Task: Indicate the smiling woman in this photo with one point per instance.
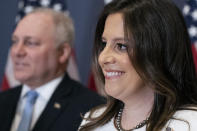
(121, 79)
(142, 54)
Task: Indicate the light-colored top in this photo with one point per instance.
(45, 92)
(187, 122)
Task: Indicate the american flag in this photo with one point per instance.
(190, 14)
(25, 7)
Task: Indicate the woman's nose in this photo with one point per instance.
(107, 56)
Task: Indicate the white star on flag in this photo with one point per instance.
(57, 7)
(45, 3)
(186, 10)
(194, 15)
(28, 9)
(192, 31)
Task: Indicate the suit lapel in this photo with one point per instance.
(10, 107)
(58, 102)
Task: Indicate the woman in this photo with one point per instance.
(142, 55)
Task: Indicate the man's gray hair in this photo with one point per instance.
(63, 25)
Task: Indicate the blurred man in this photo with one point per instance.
(47, 100)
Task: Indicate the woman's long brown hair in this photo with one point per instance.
(161, 55)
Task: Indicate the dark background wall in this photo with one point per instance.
(84, 14)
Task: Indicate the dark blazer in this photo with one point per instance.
(72, 97)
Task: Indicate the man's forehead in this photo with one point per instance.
(37, 23)
(37, 17)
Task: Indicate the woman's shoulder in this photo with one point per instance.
(94, 113)
(184, 120)
(189, 114)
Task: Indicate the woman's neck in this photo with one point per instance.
(137, 108)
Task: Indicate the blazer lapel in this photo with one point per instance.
(56, 105)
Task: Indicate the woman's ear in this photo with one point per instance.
(65, 51)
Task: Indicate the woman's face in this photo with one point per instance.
(121, 79)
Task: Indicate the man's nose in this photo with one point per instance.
(18, 49)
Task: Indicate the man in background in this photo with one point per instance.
(47, 100)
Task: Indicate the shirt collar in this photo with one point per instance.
(45, 91)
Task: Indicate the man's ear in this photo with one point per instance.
(65, 51)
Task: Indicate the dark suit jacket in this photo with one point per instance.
(72, 97)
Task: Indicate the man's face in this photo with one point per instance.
(34, 54)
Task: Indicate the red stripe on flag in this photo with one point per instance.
(5, 84)
(194, 51)
(91, 82)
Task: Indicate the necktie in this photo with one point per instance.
(27, 112)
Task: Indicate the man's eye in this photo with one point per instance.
(121, 46)
(14, 41)
(29, 43)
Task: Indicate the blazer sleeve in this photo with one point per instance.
(95, 114)
(185, 120)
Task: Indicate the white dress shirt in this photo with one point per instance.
(44, 94)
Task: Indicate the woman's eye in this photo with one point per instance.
(121, 47)
(103, 43)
